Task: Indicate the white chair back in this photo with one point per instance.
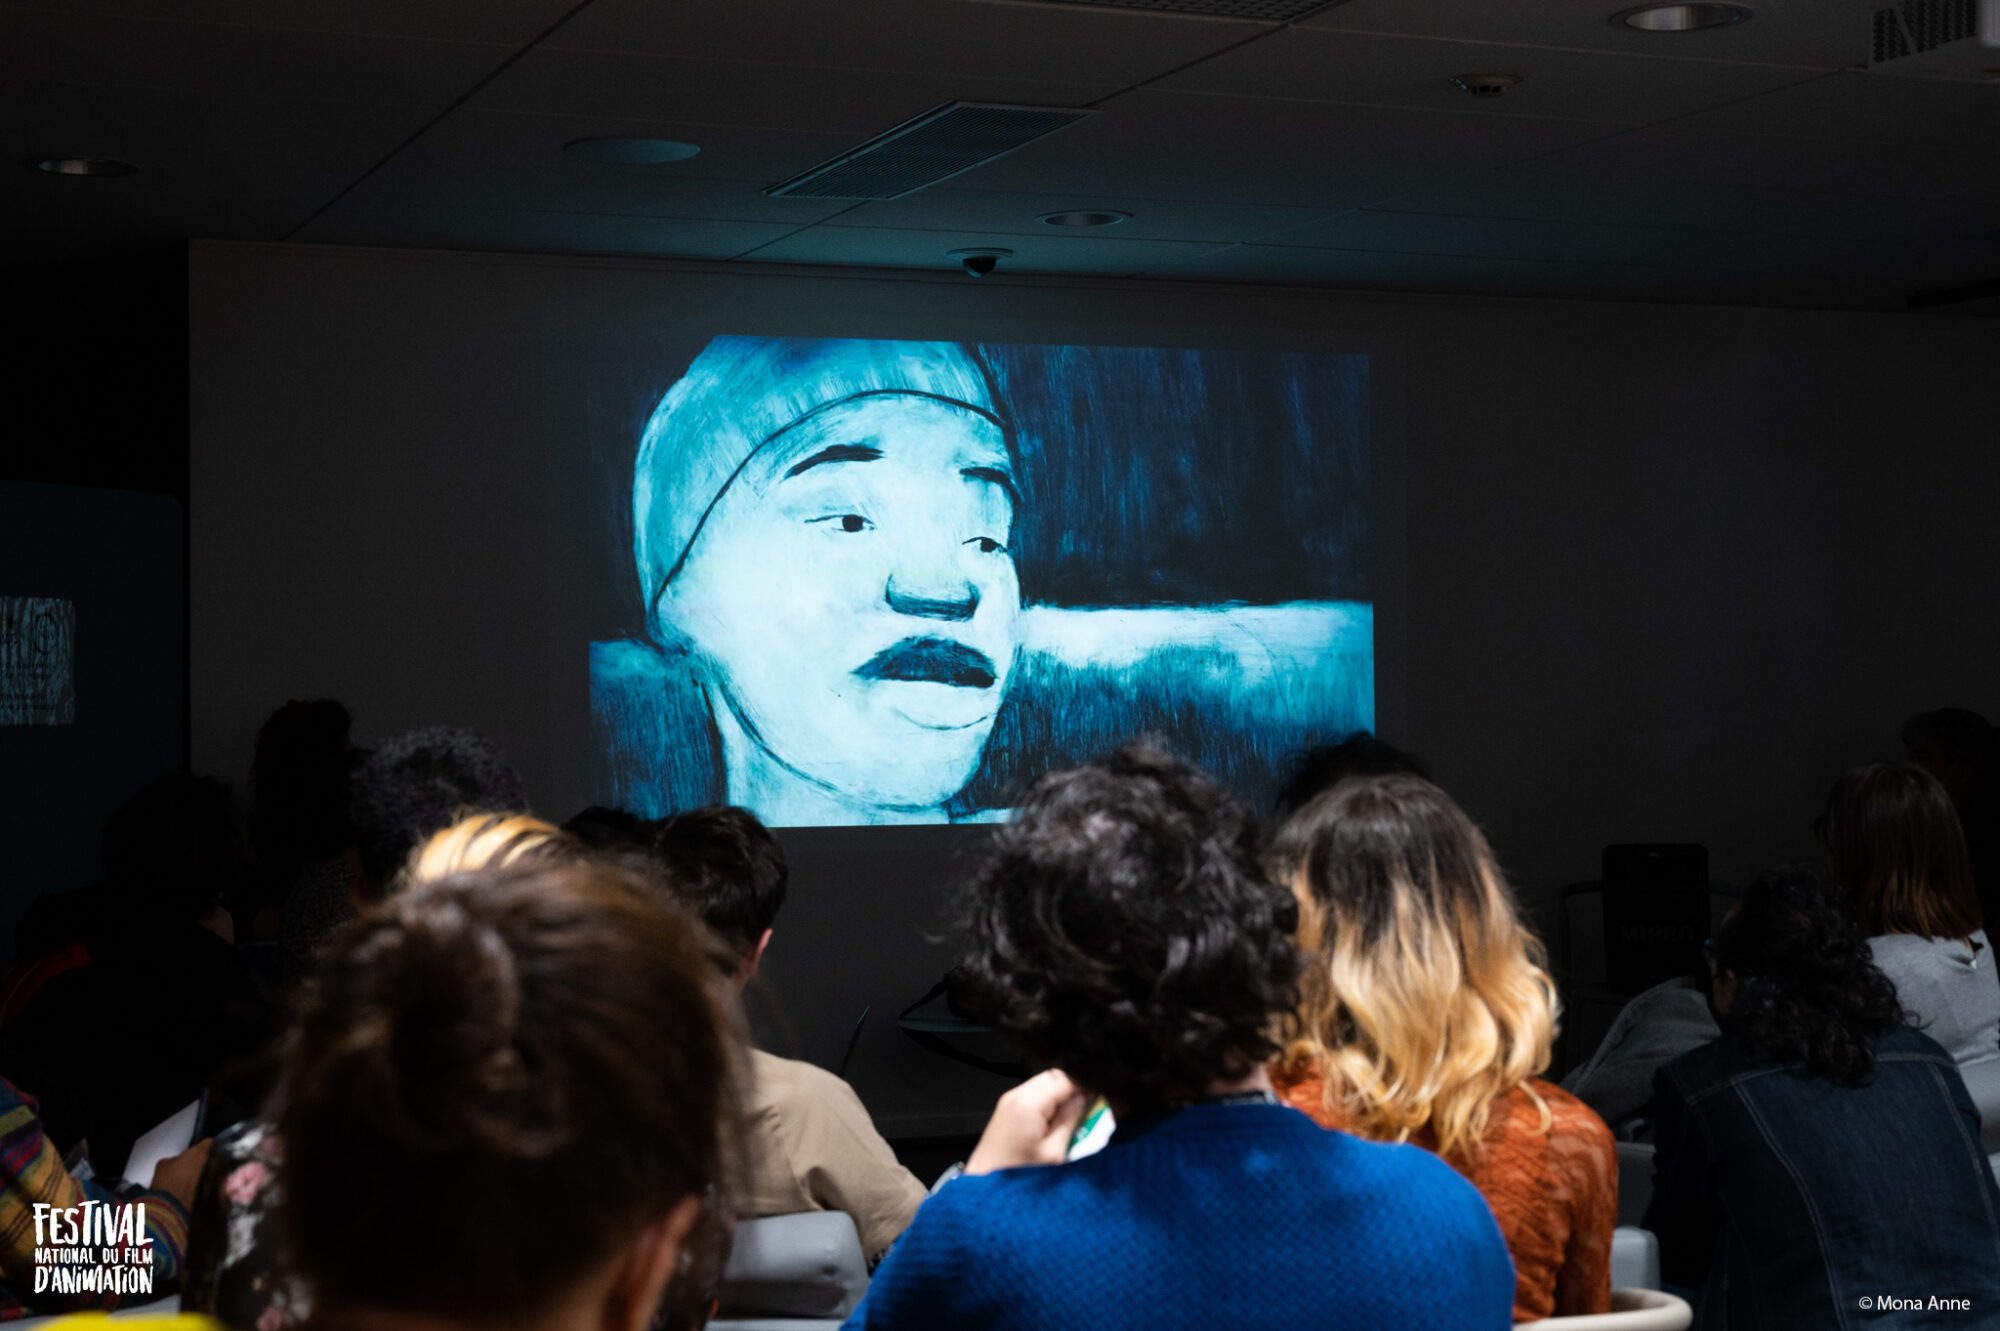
(1631, 1310)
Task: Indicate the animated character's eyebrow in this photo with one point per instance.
(837, 453)
(997, 477)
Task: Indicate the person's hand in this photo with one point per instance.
(179, 1175)
(1031, 1125)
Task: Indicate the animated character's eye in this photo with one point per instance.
(849, 522)
(986, 545)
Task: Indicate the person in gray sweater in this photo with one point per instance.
(1900, 861)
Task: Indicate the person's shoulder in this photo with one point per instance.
(1568, 1116)
(794, 1079)
(1908, 1044)
(1698, 1069)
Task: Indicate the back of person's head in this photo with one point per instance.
(1121, 927)
(603, 828)
(420, 782)
(1899, 853)
(1425, 998)
(1321, 768)
(173, 849)
(490, 841)
(1807, 987)
(298, 784)
(1954, 744)
(726, 867)
(498, 1082)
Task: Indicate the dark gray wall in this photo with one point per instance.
(118, 557)
(1664, 570)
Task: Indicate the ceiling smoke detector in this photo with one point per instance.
(1681, 18)
(1486, 85)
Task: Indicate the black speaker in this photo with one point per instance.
(1655, 913)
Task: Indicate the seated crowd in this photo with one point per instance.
(476, 1069)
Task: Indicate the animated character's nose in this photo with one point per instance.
(934, 602)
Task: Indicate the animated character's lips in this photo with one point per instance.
(932, 660)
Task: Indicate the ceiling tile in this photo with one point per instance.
(947, 209)
(1063, 44)
(86, 58)
(861, 103)
(511, 21)
(1359, 67)
(1420, 233)
(1681, 154)
(1171, 145)
(1521, 277)
(1873, 109)
(888, 248)
(561, 233)
(1822, 34)
(210, 165)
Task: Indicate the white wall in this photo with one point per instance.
(1666, 569)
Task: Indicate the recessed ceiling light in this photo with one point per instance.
(1681, 18)
(628, 152)
(1086, 217)
(81, 166)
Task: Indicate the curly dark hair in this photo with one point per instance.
(418, 783)
(1808, 990)
(1121, 927)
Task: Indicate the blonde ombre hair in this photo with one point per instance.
(488, 841)
(1424, 998)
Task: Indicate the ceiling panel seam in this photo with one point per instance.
(439, 118)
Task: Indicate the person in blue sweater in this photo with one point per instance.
(1122, 930)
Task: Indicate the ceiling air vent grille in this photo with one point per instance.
(936, 145)
(1259, 11)
(1916, 26)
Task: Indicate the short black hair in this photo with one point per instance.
(173, 849)
(1121, 928)
(725, 866)
(1321, 768)
(1807, 987)
(417, 784)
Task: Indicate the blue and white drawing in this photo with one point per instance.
(891, 582)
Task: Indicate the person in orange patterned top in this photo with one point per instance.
(1427, 1015)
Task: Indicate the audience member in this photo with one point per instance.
(1962, 750)
(1821, 1150)
(809, 1143)
(508, 1093)
(299, 830)
(1428, 1016)
(1899, 860)
(150, 944)
(233, 1270)
(1320, 769)
(1122, 929)
(32, 1173)
(1656, 1027)
(412, 786)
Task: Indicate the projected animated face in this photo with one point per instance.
(852, 606)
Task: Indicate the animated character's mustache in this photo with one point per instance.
(934, 660)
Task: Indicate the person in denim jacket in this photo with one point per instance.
(1819, 1165)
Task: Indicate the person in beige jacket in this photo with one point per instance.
(810, 1144)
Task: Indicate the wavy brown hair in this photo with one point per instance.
(1425, 998)
(497, 1079)
(1899, 853)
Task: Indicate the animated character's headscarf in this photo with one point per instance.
(743, 392)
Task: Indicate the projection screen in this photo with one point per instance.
(877, 581)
